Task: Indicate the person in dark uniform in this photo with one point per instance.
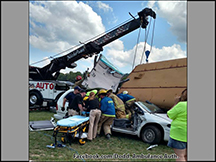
(77, 106)
(70, 96)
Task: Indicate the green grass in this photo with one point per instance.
(119, 144)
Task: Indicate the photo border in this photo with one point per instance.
(14, 80)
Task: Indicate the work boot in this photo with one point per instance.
(108, 136)
(98, 135)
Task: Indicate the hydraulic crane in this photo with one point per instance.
(52, 70)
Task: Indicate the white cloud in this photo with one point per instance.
(122, 59)
(175, 14)
(61, 25)
(104, 7)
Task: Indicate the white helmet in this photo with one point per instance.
(125, 92)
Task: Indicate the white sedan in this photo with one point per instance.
(149, 122)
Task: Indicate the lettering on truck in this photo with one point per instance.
(45, 85)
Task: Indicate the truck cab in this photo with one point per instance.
(46, 93)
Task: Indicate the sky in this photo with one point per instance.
(56, 27)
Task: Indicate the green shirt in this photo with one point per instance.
(178, 114)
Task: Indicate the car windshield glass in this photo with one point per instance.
(150, 107)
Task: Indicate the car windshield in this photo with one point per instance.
(150, 107)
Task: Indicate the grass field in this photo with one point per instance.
(120, 147)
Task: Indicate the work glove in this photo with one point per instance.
(83, 112)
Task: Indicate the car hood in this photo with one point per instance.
(163, 116)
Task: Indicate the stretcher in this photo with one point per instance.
(71, 128)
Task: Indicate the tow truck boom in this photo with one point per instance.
(89, 49)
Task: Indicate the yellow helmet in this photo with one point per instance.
(85, 98)
(102, 91)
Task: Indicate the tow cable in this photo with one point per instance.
(144, 49)
(146, 37)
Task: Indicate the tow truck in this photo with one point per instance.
(42, 79)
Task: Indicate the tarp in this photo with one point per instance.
(103, 75)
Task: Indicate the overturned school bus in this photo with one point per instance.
(158, 82)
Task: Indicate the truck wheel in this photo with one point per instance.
(151, 134)
(34, 98)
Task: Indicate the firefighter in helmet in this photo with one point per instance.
(78, 81)
(128, 101)
(119, 105)
(108, 113)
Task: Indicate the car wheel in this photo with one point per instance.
(34, 98)
(151, 134)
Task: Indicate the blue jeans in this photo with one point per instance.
(176, 144)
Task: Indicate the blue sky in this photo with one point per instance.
(58, 26)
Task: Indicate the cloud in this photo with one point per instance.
(122, 59)
(104, 7)
(175, 14)
(57, 26)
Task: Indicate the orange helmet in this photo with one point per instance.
(78, 78)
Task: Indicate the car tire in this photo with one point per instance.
(35, 98)
(151, 134)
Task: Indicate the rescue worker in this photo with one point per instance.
(119, 105)
(78, 81)
(128, 101)
(77, 106)
(70, 96)
(92, 106)
(86, 98)
(108, 113)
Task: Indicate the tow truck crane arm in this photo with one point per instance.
(89, 49)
